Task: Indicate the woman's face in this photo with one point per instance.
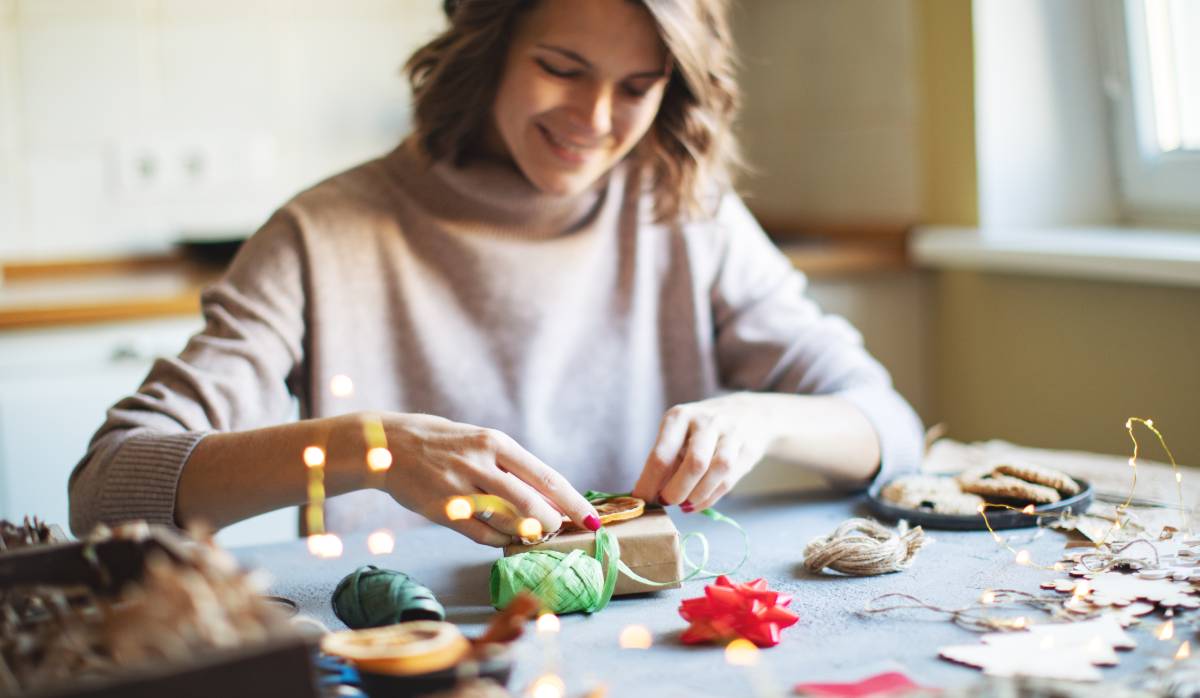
(582, 84)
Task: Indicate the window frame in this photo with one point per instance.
(1156, 187)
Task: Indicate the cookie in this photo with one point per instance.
(998, 485)
(930, 493)
(1041, 476)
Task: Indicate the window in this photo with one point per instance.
(1154, 80)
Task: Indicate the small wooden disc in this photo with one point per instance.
(405, 649)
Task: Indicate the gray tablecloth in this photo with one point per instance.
(832, 642)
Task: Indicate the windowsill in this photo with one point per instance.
(1103, 253)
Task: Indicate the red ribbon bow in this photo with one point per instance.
(728, 610)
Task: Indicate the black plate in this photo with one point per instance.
(998, 518)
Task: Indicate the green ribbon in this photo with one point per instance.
(569, 582)
(370, 597)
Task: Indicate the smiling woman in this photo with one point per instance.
(551, 286)
(581, 84)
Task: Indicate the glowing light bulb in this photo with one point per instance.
(341, 386)
(379, 459)
(1028, 509)
(987, 597)
(1184, 651)
(530, 529)
(459, 508)
(636, 637)
(1023, 557)
(548, 623)
(1128, 423)
(548, 686)
(981, 508)
(314, 456)
(1166, 631)
(1178, 477)
(1149, 422)
(1020, 622)
(325, 545)
(741, 652)
(1133, 462)
(381, 542)
(1082, 589)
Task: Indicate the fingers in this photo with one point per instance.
(531, 480)
(698, 455)
(660, 464)
(480, 532)
(721, 490)
(720, 473)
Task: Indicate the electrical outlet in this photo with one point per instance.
(141, 169)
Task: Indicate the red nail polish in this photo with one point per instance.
(662, 502)
(686, 503)
(592, 522)
(687, 508)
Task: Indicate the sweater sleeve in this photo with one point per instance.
(233, 375)
(770, 336)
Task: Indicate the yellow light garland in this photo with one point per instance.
(1022, 557)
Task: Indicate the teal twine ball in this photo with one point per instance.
(370, 597)
(564, 582)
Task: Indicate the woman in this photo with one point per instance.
(548, 287)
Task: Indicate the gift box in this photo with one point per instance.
(649, 546)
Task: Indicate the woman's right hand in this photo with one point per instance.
(435, 459)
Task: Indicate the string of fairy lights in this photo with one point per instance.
(379, 459)
(995, 598)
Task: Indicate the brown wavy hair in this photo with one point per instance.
(690, 151)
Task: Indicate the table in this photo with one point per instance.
(830, 643)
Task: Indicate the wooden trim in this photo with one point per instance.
(181, 304)
(841, 259)
(784, 230)
(39, 270)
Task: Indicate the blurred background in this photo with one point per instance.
(1003, 195)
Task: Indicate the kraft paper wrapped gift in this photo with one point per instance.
(649, 546)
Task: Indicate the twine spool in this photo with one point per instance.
(564, 582)
(863, 548)
(370, 597)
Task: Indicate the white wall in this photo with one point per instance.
(267, 97)
(1042, 128)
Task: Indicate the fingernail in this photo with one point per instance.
(662, 502)
(592, 522)
(686, 503)
(687, 508)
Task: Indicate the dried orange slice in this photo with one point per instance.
(611, 510)
(405, 649)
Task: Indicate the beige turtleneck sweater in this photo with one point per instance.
(570, 323)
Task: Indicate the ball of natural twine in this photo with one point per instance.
(863, 548)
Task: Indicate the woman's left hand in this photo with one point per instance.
(703, 449)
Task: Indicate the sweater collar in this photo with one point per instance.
(493, 197)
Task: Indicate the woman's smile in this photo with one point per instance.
(568, 151)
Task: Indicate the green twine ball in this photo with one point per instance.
(370, 597)
(564, 582)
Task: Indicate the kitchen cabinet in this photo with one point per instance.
(55, 385)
